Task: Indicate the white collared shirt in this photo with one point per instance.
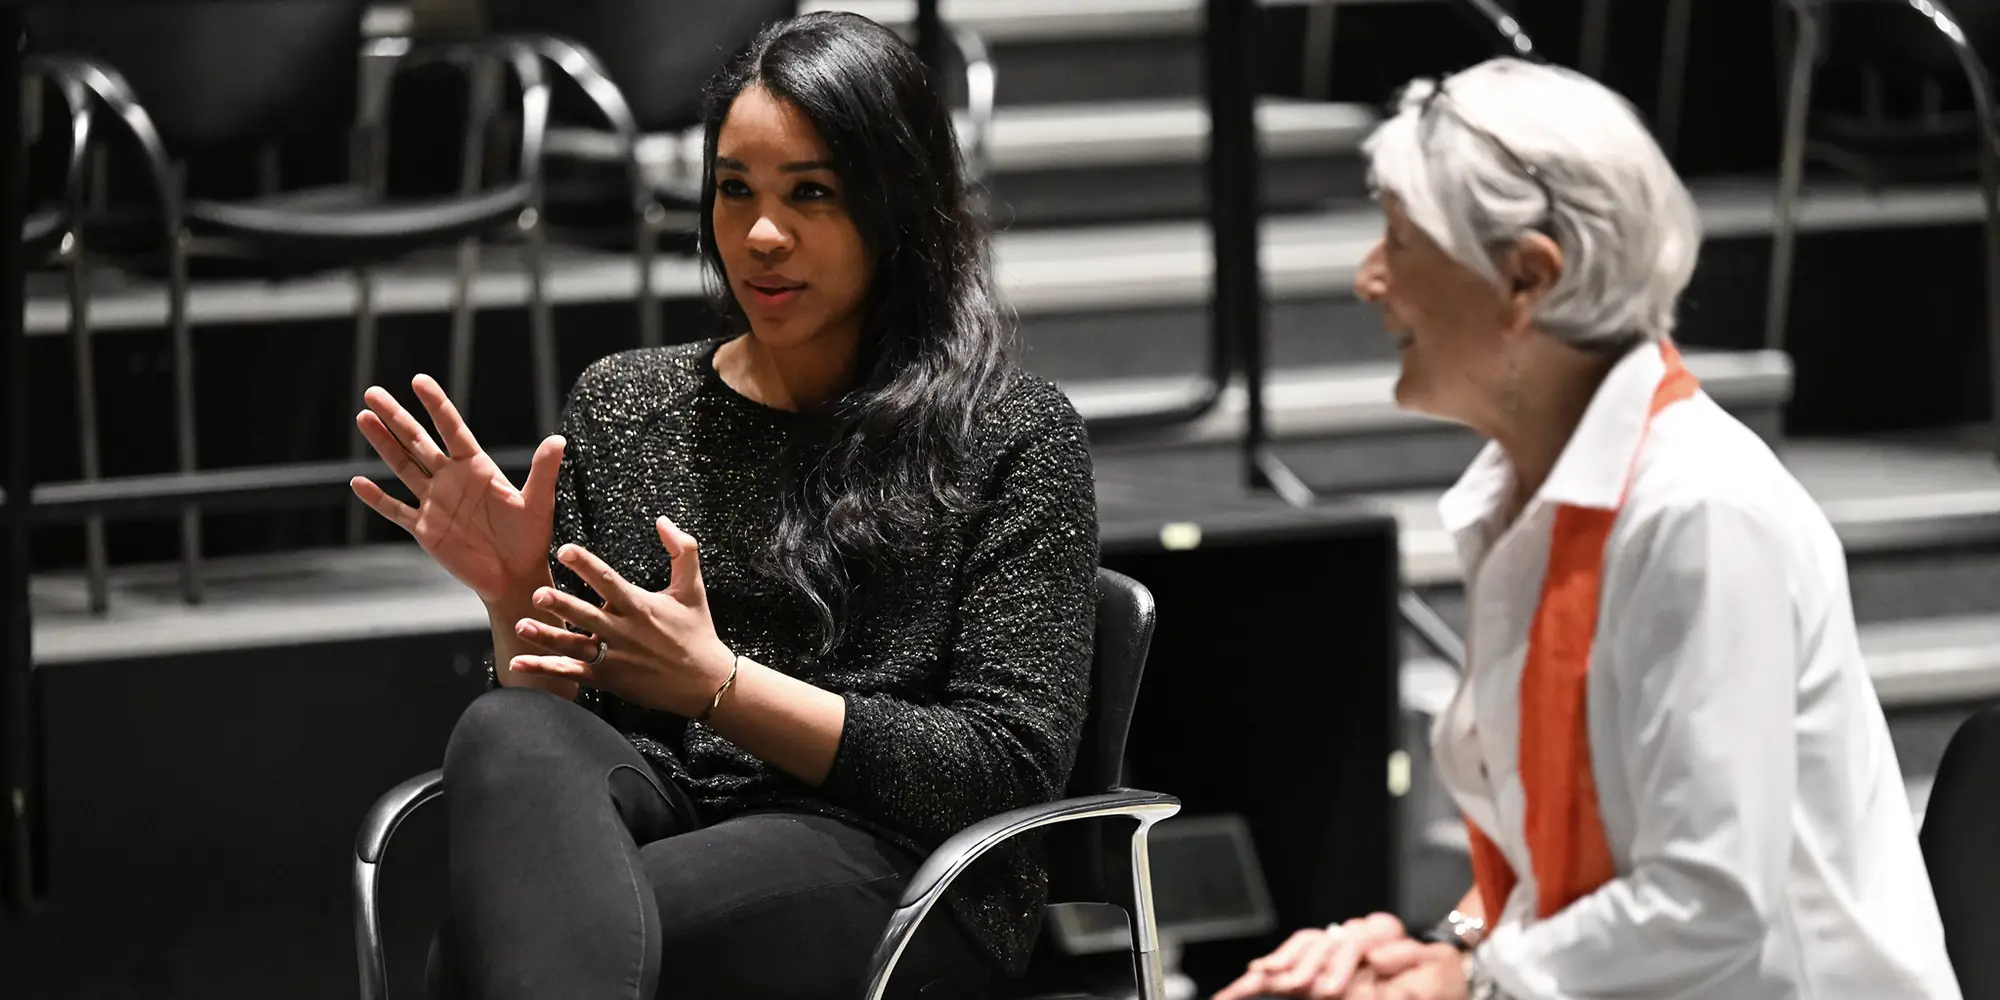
(1756, 815)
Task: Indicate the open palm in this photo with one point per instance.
(469, 517)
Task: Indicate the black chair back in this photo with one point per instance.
(660, 53)
(220, 73)
(1077, 853)
(1961, 840)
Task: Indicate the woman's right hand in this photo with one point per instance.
(468, 517)
(1316, 964)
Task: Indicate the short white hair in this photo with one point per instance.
(1464, 162)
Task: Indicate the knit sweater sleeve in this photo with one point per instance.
(1003, 730)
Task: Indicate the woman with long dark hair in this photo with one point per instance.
(710, 767)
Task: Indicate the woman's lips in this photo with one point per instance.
(773, 294)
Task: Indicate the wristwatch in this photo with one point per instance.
(1459, 929)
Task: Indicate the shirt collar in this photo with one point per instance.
(1594, 465)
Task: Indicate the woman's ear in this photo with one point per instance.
(1530, 272)
(1534, 267)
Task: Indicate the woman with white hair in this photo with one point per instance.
(1676, 775)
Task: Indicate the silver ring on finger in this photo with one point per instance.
(602, 649)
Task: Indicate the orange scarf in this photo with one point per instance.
(1565, 832)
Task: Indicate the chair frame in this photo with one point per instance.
(91, 81)
(80, 119)
(932, 879)
(1809, 16)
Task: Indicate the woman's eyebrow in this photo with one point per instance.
(801, 167)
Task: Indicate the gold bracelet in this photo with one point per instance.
(735, 660)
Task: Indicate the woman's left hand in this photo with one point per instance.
(660, 650)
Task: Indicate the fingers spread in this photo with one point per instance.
(593, 571)
(413, 474)
(574, 609)
(685, 554)
(539, 492)
(404, 427)
(398, 513)
(551, 666)
(451, 427)
(557, 641)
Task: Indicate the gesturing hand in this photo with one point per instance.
(656, 650)
(468, 516)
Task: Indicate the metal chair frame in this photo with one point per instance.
(80, 120)
(929, 885)
(1809, 16)
(102, 86)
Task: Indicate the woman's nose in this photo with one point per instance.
(1371, 280)
(767, 236)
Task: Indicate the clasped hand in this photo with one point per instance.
(1368, 958)
(660, 650)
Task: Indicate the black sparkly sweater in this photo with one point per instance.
(965, 687)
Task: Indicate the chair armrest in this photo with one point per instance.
(958, 853)
(79, 76)
(76, 102)
(377, 827)
(391, 810)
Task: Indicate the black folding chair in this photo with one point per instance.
(208, 76)
(1089, 863)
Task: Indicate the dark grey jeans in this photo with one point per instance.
(576, 873)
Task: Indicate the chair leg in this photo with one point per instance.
(96, 562)
(1673, 73)
(1596, 24)
(541, 325)
(645, 249)
(459, 376)
(485, 97)
(1784, 229)
(364, 374)
(1149, 966)
(184, 412)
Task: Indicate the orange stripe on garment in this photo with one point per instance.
(1565, 831)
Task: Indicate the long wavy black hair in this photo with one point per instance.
(881, 469)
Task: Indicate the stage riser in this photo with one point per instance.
(201, 814)
(1146, 192)
(1901, 585)
(1425, 456)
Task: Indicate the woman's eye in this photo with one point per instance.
(809, 191)
(732, 188)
